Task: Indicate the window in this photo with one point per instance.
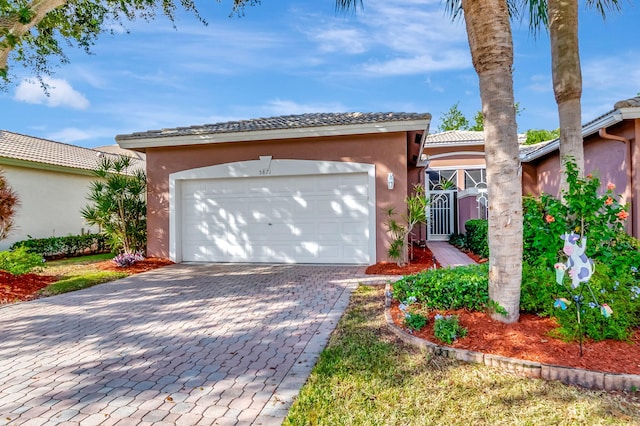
(475, 178)
(443, 180)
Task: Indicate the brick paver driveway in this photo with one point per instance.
(186, 345)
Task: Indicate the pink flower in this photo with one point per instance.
(611, 186)
(560, 266)
(622, 215)
(609, 201)
(548, 218)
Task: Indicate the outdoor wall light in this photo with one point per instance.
(390, 181)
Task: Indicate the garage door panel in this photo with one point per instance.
(309, 219)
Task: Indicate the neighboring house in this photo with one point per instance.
(611, 152)
(311, 188)
(52, 182)
(456, 168)
(457, 180)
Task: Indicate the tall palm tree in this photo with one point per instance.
(491, 45)
(561, 18)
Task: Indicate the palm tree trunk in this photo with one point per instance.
(567, 79)
(491, 45)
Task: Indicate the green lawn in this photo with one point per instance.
(366, 376)
(77, 273)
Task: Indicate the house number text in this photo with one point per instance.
(263, 172)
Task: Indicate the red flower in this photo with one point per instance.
(548, 218)
(609, 201)
(611, 186)
(622, 215)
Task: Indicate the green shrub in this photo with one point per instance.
(447, 328)
(69, 246)
(539, 290)
(621, 294)
(20, 261)
(448, 288)
(477, 240)
(458, 240)
(415, 320)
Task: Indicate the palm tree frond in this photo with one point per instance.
(349, 5)
(603, 6)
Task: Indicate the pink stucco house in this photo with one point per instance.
(611, 152)
(309, 188)
(315, 188)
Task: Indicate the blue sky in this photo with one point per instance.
(293, 57)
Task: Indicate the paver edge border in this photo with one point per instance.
(591, 379)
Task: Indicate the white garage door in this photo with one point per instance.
(283, 219)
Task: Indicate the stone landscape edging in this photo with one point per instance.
(591, 379)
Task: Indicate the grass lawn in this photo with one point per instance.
(366, 376)
(77, 273)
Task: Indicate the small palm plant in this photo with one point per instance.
(118, 204)
(401, 229)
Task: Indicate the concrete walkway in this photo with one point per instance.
(182, 345)
(449, 255)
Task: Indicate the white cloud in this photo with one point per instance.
(451, 60)
(285, 107)
(72, 134)
(58, 93)
(620, 73)
(402, 37)
(347, 40)
(540, 83)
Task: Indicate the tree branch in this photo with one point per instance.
(13, 26)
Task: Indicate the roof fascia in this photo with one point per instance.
(43, 166)
(588, 129)
(263, 135)
(454, 144)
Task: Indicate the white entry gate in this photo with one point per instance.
(441, 212)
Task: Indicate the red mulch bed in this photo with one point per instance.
(148, 264)
(17, 288)
(528, 339)
(420, 260)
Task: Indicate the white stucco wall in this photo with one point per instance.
(50, 203)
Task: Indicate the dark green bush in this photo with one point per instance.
(477, 241)
(449, 288)
(458, 240)
(69, 246)
(539, 290)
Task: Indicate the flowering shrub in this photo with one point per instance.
(127, 259)
(584, 212)
(447, 328)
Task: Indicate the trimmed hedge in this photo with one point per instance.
(69, 246)
(477, 242)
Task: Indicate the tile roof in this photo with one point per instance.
(453, 137)
(28, 148)
(280, 123)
